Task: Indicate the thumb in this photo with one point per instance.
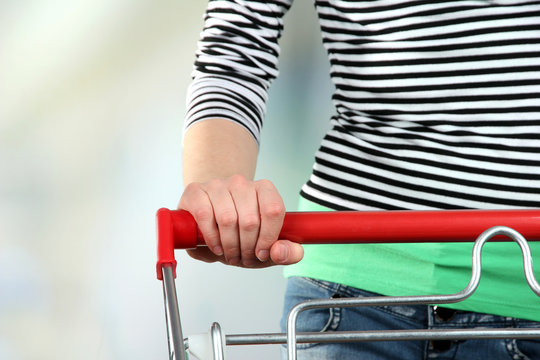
(285, 252)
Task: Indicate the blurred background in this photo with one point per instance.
(91, 109)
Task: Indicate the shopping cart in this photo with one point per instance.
(176, 229)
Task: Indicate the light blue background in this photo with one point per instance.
(91, 108)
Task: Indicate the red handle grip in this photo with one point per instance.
(177, 228)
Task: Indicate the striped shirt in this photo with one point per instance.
(437, 103)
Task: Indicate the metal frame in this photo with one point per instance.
(178, 347)
(426, 300)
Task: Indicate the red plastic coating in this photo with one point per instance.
(177, 228)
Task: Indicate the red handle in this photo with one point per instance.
(177, 228)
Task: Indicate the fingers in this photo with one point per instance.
(245, 198)
(240, 220)
(204, 254)
(272, 212)
(285, 252)
(197, 202)
(226, 218)
(213, 209)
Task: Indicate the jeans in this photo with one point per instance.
(399, 317)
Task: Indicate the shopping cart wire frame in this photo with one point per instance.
(176, 229)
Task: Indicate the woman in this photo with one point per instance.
(436, 107)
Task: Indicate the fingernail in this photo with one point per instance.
(234, 261)
(283, 253)
(218, 250)
(249, 262)
(263, 255)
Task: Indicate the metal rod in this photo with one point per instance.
(217, 342)
(419, 300)
(177, 350)
(387, 335)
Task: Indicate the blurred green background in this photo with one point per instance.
(91, 109)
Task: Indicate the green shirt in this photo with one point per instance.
(426, 269)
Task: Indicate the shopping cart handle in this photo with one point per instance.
(176, 229)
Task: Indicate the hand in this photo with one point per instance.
(240, 221)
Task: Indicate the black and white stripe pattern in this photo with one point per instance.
(236, 61)
(437, 103)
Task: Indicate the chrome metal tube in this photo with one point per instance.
(177, 349)
(217, 342)
(387, 335)
(419, 300)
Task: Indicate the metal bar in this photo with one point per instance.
(419, 300)
(217, 342)
(387, 335)
(177, 350)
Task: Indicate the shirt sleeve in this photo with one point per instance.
(236, 61)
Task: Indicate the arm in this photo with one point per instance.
(240, 218)
(218, 148)
(235, 63)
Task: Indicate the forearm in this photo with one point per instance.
(218, 148)
(239, 218)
